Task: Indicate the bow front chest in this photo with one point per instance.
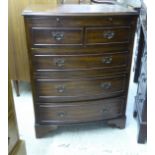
(80, 60)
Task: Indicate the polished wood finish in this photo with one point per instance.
(61, 113)
(78, 10)
(101, 35)
(80, 59)
(55, 36)
(118, 122)
(42, 130)
(81, 89)
(76, 21)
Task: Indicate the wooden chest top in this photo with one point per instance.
(78, 10)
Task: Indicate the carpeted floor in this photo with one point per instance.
(88, 139)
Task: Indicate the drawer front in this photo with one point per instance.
(75, 50)
(94, 73)
(101, 35)
(81, 111)
(45, 36)
(12, 133)
(80, 62)
(71, 90)
(79, 21)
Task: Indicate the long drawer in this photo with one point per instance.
(79, 89)
(81, 111)
(87, 49)
(80, 61)
(79, 21)
(89, 73)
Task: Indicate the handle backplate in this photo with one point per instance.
(109, 34)
(60, 88)
(61, 114)
(107, 60)
(106, 85)
(58, 36)
(60, 62)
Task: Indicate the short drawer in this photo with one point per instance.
(12, 133)
(80, 61)
(57, 21)
(81, 111)
(46, 36)
(79, 89)
(100, 35)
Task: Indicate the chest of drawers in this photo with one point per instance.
(80, 59)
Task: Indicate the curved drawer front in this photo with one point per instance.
(101, 35)
(93, 73)
(71, 90)
(80, 62)
(75, 50)
(81, 111)
(45, 36)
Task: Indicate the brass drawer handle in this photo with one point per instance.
(109, 34)
(60, 62)
(60, 89)
(58, 36)
(61, 114)
(106, 85)
(107, 60)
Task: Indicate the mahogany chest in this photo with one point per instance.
(80, 60)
